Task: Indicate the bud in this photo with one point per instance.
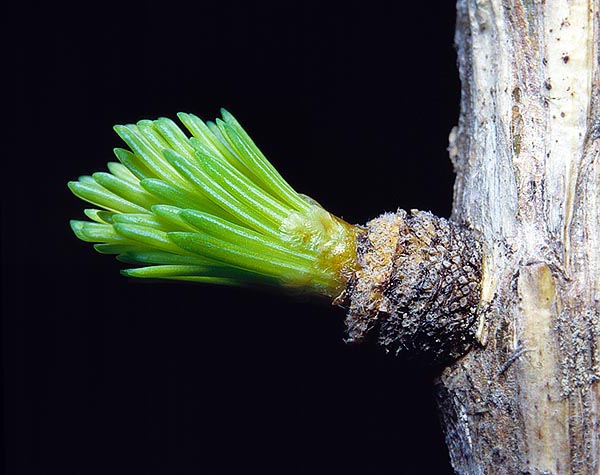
(417, 287)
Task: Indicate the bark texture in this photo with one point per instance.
(526, 153)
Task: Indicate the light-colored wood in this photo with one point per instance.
(527, 157)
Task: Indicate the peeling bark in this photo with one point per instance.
(526, 152)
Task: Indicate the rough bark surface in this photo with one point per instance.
(526, 153)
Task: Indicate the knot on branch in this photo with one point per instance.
(418, 286)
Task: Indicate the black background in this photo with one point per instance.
(353, 103)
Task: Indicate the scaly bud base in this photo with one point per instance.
(417, 286)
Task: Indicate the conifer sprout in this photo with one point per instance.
(208, 207)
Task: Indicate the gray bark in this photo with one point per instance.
(526, 153)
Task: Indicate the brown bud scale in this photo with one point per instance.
(417, 287)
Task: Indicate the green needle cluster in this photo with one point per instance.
(210, 208)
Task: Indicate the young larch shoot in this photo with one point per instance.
(209, 207)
